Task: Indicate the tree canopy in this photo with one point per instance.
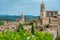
(21, 35)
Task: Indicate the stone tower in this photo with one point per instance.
(22, 17)
(42, 11)
(45, 20)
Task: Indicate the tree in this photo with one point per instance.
(21, 35)
(43, 36)
(20, 27)
(58, 38)
(1, 23)
(47, 26)
(32, 29)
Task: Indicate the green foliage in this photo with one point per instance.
(47, 26)
(21, 35)
(58, 37)
(43, 36)
(20, 27)
(41, 29)
(32, 29)
(1, 23)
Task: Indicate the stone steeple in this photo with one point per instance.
(22, 16)
(42, 11)
(45, 20)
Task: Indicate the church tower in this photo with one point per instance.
(21, 20)
(22, 16)
(42, 11)
(45, 20)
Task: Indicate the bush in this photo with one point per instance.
(1, 23)
(20, 27)
(21, 35)
(43, 36)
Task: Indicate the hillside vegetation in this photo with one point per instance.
(21, 35)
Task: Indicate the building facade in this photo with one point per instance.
(50, 17)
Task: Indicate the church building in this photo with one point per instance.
(50, 17)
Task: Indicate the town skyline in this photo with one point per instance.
(37, 20)
(31, 7)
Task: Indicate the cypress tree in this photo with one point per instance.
(32, 29)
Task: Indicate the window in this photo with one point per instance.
(51, 14)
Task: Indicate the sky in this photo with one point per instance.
(29, 7)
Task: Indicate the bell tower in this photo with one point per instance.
(22, 16)
(45, 20)
(42, 11)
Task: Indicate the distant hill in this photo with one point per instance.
(13, 18)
